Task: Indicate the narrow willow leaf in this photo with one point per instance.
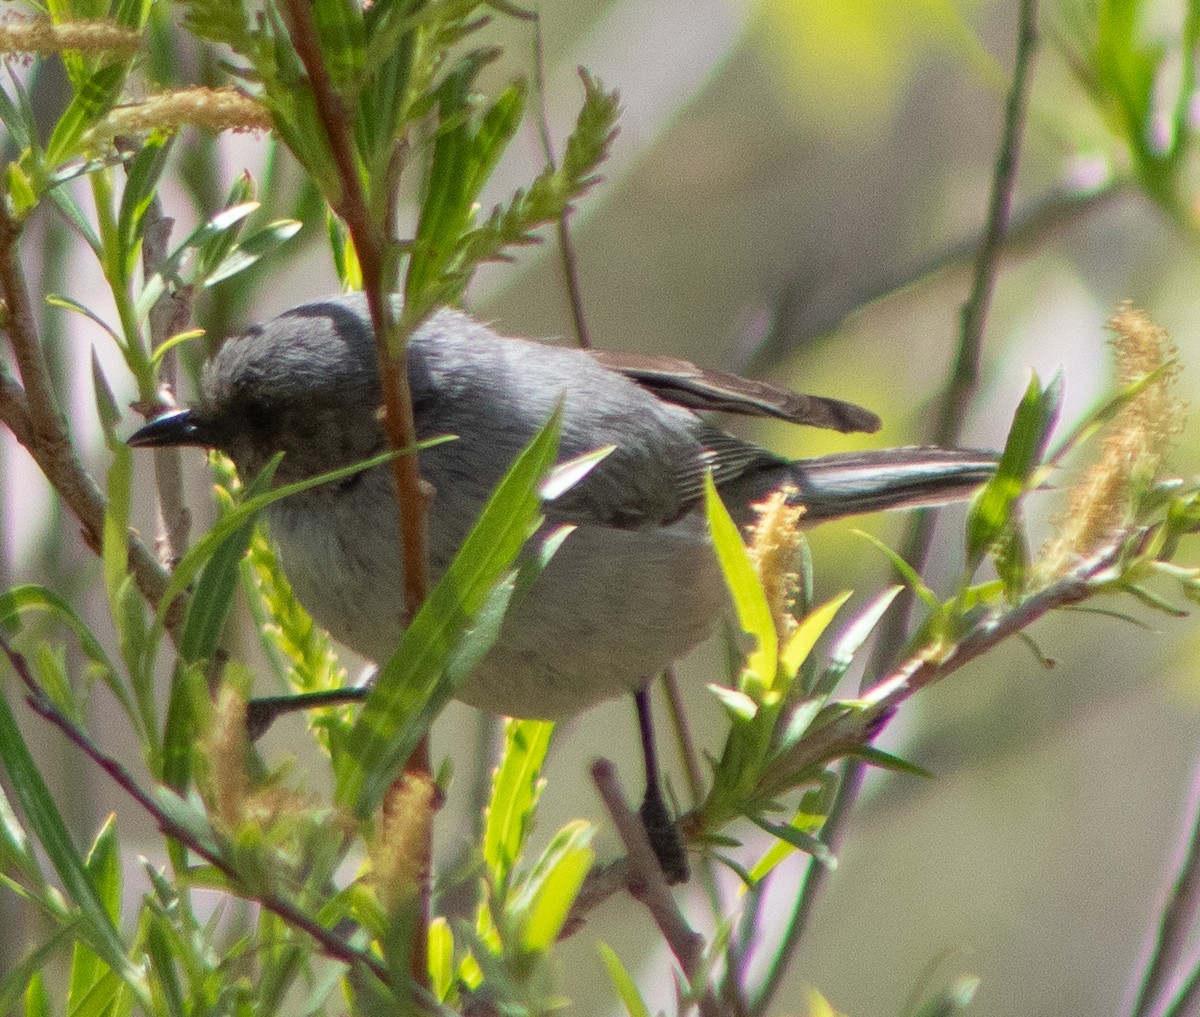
(886, 761)
(441, 958)
(413, 673)
(749, 598)
(103, 867)
(809, 819)
(635, 1006)
(916, 584)
(553, 886)
(20, 599)
(515, 788)
(25, 978)
(992, 508)
(798, 839)
(810, 629)
(740, 705)
(95, 927)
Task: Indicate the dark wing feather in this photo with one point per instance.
(684, 384)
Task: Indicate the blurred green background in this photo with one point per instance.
(790, 195)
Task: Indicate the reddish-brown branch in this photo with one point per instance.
(31, 412)
(391, 356)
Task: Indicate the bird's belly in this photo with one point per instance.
(612, 608)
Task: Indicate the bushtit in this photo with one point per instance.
(632, 589)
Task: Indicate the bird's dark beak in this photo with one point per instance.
(182, 427)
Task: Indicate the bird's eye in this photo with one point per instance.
(258, 415)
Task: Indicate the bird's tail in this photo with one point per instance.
(851, 483)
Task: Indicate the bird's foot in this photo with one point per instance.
(663, 835)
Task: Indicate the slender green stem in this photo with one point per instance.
(1175, 927)
(960, 387)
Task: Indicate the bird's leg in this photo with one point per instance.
(660, 827)
(262, 713)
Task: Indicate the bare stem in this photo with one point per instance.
(167, 317)
(31, 412)
(568, 261)
(959, 390)
(646, 883)
(1177, 921)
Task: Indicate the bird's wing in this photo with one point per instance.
(727, 457)
(683, 383)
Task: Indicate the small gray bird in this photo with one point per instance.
(631, 590)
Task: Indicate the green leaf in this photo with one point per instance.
(413, 674)
(254, 247)
(163, 951)
(103, 866)
(92, 100)
(886, 761)
(21, 599)
(851, 641)
(25, 978)
(799, 720)
(441, 958)
(749, 598)
(801, 642)
(798, 839)
(96, 927)
(515, 788)
(16, 851)
(554, 884)
(907, 572)
(992, 508)
(635, 1006)
(740, 706)
(809, 819)
(37, 1000)
(142, 176)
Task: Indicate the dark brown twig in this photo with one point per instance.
(369, 242)
(391, 355)
(646, 883)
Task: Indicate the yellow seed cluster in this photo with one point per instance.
(1133, 444)
(775, 542)
(225, 749)
(397, 852)
(212, 109)
(93, 38)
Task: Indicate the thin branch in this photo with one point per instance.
(793, 326)
(1178, 918)
(646, 883)
(168, 316)
(879, 702)
(369, 241)
(683, 736)
(331, 944)
(857, 727)
(412, 492)
(569, 262)
(952, 413)
(31, 412)
(603, 882)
